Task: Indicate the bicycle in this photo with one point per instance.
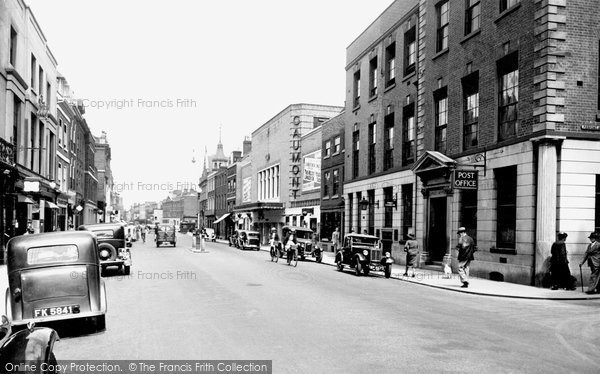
(273, 251)
(292, 255)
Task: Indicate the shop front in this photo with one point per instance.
(261, 217)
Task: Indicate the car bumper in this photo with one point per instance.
(120, 262)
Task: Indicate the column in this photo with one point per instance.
(545, 226)
(355, 212)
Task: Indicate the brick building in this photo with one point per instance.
(332, 176)
(506, 132)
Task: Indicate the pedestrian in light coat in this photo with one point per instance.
(466, 248)
(559, 264)
(411, 247)
(335, 239)
(592, 255)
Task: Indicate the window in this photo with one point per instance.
(472, 16)
(17, 135)
(355, 152)
(32, 128)
(33, 71)
(373, 77)
(359, 221)
(597, 220)
(372, 145)
(328, 148)
(388, 197)
(371, 211)
(507, 4)
(390, 65)
(508, 75)
(388, 146)
(442, 26)
(13, 47)
(336, 183)
(350, 211)
(336, 145)
(441, 119)
(470, 86)
(598, 75)
(410, 51)
(40, 85)
(48, 93)
(356, 88)
(407, 208)
(326, 184)
(318, 121)
(408, 134)
(506, 220)
(468, 212)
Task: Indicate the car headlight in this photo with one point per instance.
(365, 252)
(104, 254)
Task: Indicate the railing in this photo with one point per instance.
(7, 152)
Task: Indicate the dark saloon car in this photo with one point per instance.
(303, 237)
(363, 253)
(54, 276)
(113, 247)
(248, 239)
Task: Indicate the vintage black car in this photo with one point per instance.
(248, 239)
(55, 276)
(113, 246)
(363, 253)
(303, 237)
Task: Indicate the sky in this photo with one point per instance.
(162, 77)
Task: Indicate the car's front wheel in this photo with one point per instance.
(358, 267)
(388, 271)
(339, 264)
(366, 269)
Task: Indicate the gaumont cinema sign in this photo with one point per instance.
(295, 151)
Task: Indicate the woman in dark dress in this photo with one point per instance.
(559, 264)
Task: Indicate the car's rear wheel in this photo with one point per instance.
(174, 244)
(157, 244)
(358, 267)
(320, 257)
(100, 323)
(340, 265)
(126, 270)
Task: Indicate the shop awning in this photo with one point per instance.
(52, 205)
(25, 199)
(222, 217)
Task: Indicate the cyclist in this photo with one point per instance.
(144, 230)
(274, 241)
(290, 244)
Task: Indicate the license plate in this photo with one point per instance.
(56, 311)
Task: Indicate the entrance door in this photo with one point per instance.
(437, 241)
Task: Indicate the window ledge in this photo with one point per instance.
(503, 251)
(507, 12)
(372, 98)
(411, 75)
(440, 53)
(391, 86)
(471, 35)
(356, 108)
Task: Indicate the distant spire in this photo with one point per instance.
(220, 134)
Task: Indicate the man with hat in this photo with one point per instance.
(559, 264)
(592, 255)
(466, 248)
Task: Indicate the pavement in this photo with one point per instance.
(477, 286)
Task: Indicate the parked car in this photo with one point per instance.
(210, 234)
(54, 276)
(304, 238)
(166, 234)
(113, 246)
(363, 253)
(248, 239)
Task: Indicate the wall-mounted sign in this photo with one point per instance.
(311, 179)
(246, 189)
(31, 186)
(590, 127)
(295, 157)
(466, 179)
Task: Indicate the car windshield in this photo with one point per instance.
(364, 241)
(303, 234)
(52, 254)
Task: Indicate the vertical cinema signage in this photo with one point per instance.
(295, 151)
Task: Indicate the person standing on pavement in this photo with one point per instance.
(335, 239)
(592, 255)
(411, 247)
(466, 248)
(559, 264)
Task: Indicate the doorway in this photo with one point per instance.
(437, 240)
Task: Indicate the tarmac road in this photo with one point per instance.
(231, 304)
